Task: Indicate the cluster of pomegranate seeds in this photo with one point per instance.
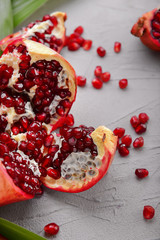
(101, 51)
(123, 83)
(81, 81)
(51, 228)
(155, 24)
(148, 212)
(141, 172)
(117, 47)
(100, 77)
(5, 74)
(138, 142)
(139, 123)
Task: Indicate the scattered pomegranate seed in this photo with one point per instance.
(51, 228)
(117, 47)
(143, 118)
(119, 132)
(123, 150)
(141, 128)
(105, 76)
(138, 142)
(69, 120)
(148, 212)
(134, 121)
(53, 173)
(87, 44)
(127, 140)
(81, 81)
(73, 46)
(97, 83)
(123, 83)
(98, 71)
(79, 30)
(101, 51)
(141, 172)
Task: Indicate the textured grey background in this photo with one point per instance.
(112, 209)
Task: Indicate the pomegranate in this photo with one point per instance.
(50, 31)
(38, 84)
(147, 28)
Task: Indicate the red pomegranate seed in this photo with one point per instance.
(73, 46)
(53, 173)
(117, 47)
(141, 128)
(101, 51)
(123, 83)
(48, 140)
(51, 228)
(69, 120)
(97, 83)
(148, 212)
(12, 145)
(98, 71)
(79, 30)
(138, 142)
(15, 130)
(123, 150)
(81, 81)
(105, 76)
(141, 172)
(134, 121)
(143, 118)
(127, 140)
(87, 44)
(5, 137)
(119, 132)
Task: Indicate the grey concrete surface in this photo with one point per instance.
(112, 209)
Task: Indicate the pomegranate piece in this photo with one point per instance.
(123, 83)
(119, 132)
(141, 128)
(148, 212)
(79, 30)
(117, 47)
(134, 121)
(97, 83)
(101, 51)
(147, 28)
(87, 44)
(81, 81)
(98, 71)
(143, 117)
(127, 140)
(50, 31)
(141, 172)
(123, 150)
(51, 228)
(105, 76)
(138, 142)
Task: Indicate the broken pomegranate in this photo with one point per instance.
(147, 28)
(148, 212)
(51, 228)
(49, 31)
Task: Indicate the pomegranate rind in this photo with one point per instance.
(9, 192)
(142, 29)
(106, 143)
(59, 31)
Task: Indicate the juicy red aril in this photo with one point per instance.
(51, 228)
(97, 83)
(143, 117)
(77, 132)
(141, 172)
(69, 120)
(105, 76)
(53, 173)
(127, 140)
(12, 145)
(148, 212)
(117, 47)
(5, 137)
(141, 128)
(3, 149)
(48, 140)
(134, 121)
(101, 51)
(60, 110)
(73, 46)
(98, 71)
(119, 132)
(87, 44)
(123, 150)
(81, 81)
(79, 30)
(138, 142)
(123, 83)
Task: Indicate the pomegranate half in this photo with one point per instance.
(49, 31)
(147, 28)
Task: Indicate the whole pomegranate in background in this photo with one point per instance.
(49, 31)
(147, 28)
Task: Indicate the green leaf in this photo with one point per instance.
(22, 9)
(14, 232)
(6, 18)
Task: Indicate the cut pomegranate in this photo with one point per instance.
(143, 118)
(50, 31)
(138, 142)
(123, 83)
(81, 81)
(51, 228)
(117, 47)
(141, 128)
(119, 132)
(134, 121)
(87, 44)
(101, 51)
(105, 76)
(147, 28)
(123, 150)
(98, 71)
(127, 140)
(97, 83)
(148, 212)
(141, 172)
